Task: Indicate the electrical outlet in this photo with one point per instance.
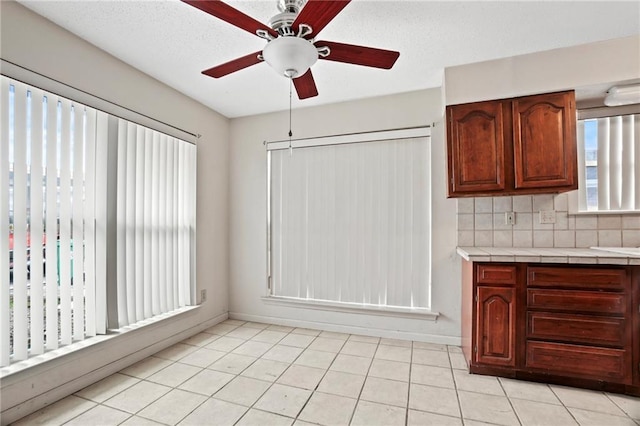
(509, 218)
(203, 296)
(547, 216)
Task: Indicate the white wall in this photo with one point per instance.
(574, 67)
(32, 42)
(248, 203)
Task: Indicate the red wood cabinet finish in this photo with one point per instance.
(577, 325)
(589, 362)
(522, 145)
(476, 149)
(495, 338)
(581, 329)
(582, 301)
(544, 141)
(496, 274)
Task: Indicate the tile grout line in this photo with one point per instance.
(174, 388)
(509, 400)
(366, 376)
(274, 382)
(406, 414)
(251, 407)
(297, 417)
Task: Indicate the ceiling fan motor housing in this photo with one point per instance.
(292, 6)
(289, 10)
(282, 23)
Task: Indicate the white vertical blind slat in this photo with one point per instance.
(392, 284)
(20, 225)
(275, 224)
(100, 231)
(405, 224)
(191, 229)
(627, 152)
(384, 201)
(176, 225)
(615, 163)
(146, 222)
(603, 164)
(37, 225)
(124, 242)
(65, 224)
(78, 223)
(170, 202)
(5, 351)
(180, 225)
(51, 247)
(155, 225)
(162, 225)
(89, 222)
(582, 174)
(138, 264)
(636, 168)
(130, 224)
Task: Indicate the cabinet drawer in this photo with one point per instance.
(580, 329)
(577, 301)
(496, 274)
(579, 361)
(601, 279)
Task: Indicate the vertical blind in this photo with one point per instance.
(47, 225)
(54, 231)
(613, 158)
(155, 223)
(350, 223)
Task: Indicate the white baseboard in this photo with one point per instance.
(341, 328)
(130, 354)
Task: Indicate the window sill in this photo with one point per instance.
(604, 212)
(91, 342)
(354, 308)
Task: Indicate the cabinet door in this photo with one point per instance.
(495, 326)
(475, 141)
(544, 128)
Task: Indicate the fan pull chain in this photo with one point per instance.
(290, 132)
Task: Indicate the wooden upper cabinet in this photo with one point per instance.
(522, 145)
(476, 147)
(544, 143)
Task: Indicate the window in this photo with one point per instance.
(53, 221)
(609, 162)
(350, 223)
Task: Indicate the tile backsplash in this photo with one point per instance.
(481, 223)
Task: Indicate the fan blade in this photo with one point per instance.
(229, 14)
(359, 55)
(305, 86)
(233, 66)
(317, 14)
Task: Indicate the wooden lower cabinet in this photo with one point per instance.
(495, 331)
(575, 325)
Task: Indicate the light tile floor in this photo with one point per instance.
(246, 373)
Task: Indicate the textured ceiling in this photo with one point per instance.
(174, 42)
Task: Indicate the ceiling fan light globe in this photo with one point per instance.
(290, 54)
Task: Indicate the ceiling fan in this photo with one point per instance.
(291, 47)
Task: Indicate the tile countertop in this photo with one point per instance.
(547, 255)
